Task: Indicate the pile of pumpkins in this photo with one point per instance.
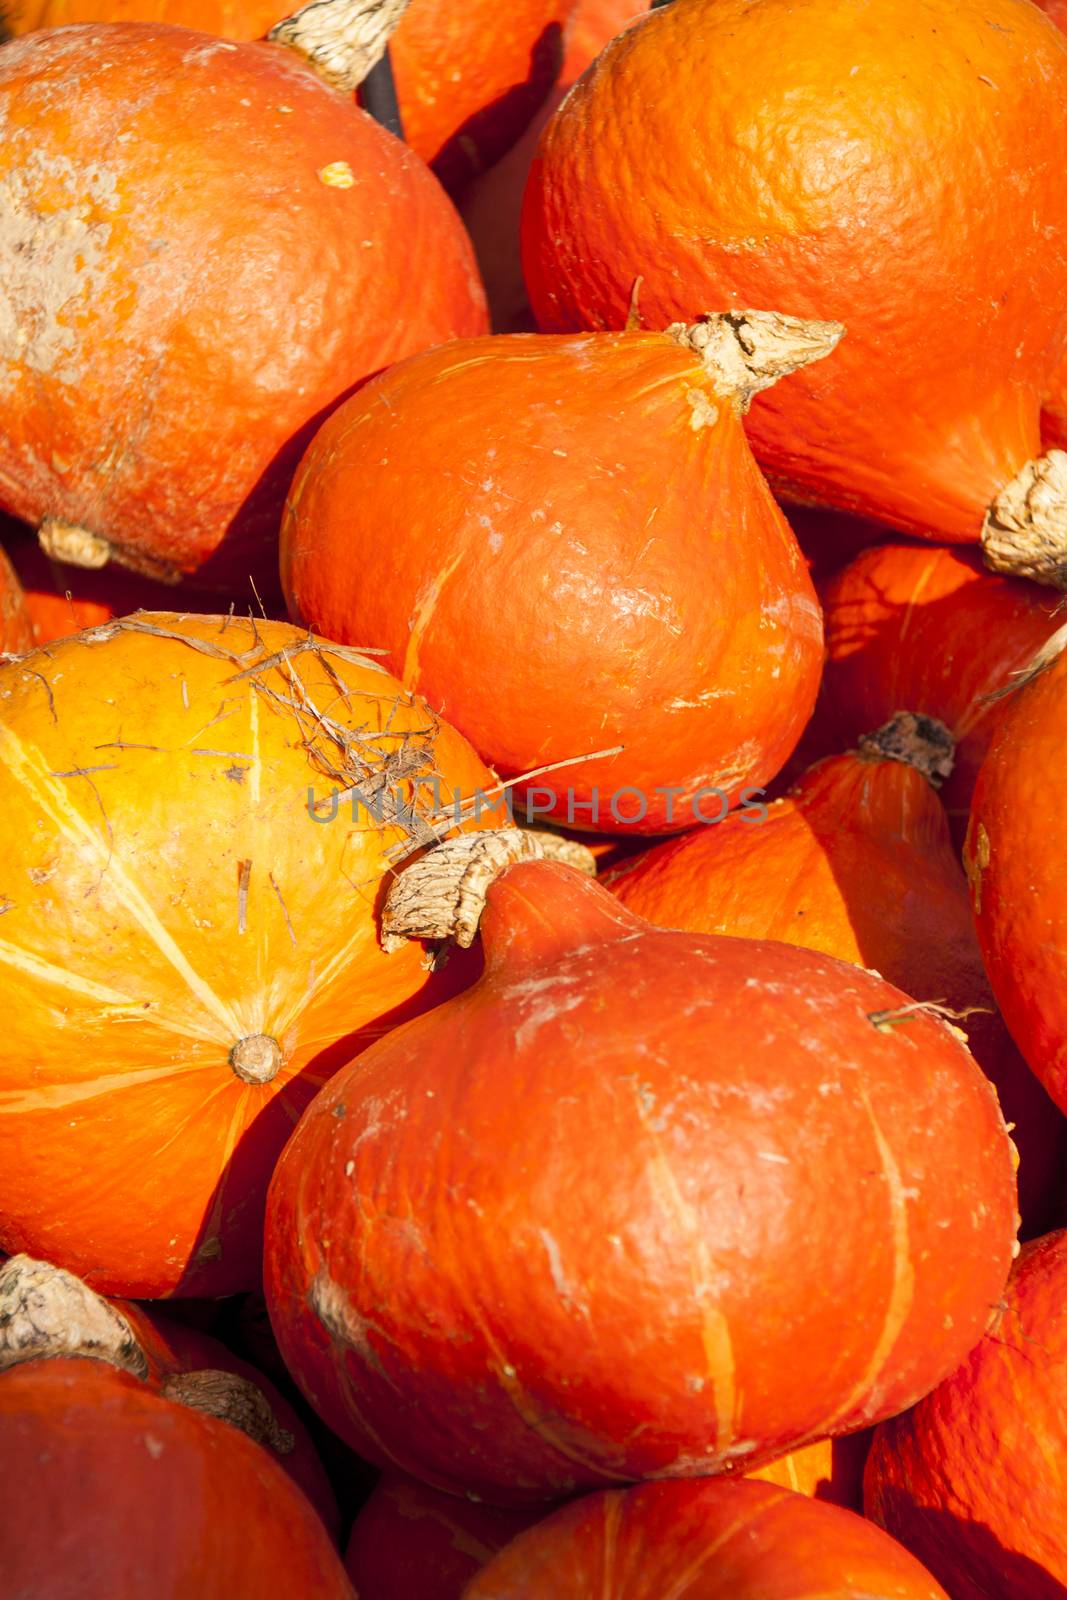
(533, 882)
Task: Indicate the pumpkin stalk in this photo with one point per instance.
(79, 547)
(46, 1311)
(1025, 529)
(747, 351)
(341, 39)
(442, 895)
(232, 1399)
(257, 1058)
(920, 742)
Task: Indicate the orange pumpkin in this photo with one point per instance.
(930, 630)
(173, 344)
(513, 519)
(111, 1489)
(1054, 411)
(16, 625)
(799, 160)
(46, 1313)
(703, 1541)
(1016, 858)
(857, 862)
(973, 1479)
(189, 943)
(469, 78)
(724, 1164)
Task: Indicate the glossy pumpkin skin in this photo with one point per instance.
(147, 333)
(469, 78)
(832, 184)
(1016, 856)
(16, 625)
(632, 1296)
(973, 1478)
(930, 631)
(95, 1466)
(857, 861)
(706, 1540)
(168, 895)
(513, 519)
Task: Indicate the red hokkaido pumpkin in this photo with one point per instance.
(16, 625)
(703, 1541)
(603, 1216)
(189, 943)
(110, 1489)
(172, 345)
(1054, 411)
(514, 520)
(931, 631)
(857, 861)
(973, 1479)
(831, 183)
(46, 1313)
(1016, 858)
(469, 78)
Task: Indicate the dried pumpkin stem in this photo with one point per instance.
(79, 547)
(341, 39)
(917, 741)
(232, 1399)
(1025, 529)
(46, 1311)
(746, 351)
(442, 895)
(256, 1058)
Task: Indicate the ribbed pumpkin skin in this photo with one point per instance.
(190, 334)
(831, 183)
(166, 895)
(173, 1349)
(974, 1478)
(857, 862)
(703, 1541)
(16, 625)
(514, 519)
(651, 1286)
(469, 78)
(110, 1490)
(1016, 858)
(930, 631)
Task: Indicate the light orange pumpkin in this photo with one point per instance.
(514, 520)
(173, 344)
(189, 944)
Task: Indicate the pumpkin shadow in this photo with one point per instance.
(459, 159)
(965, 1557)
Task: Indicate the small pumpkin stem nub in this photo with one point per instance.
(341, 39)
(257, 1058)
(232, 1399)
(65, 541)
(442, 894)
(1025, 529)
(746, 351)
(47, 1311)
(917, 741)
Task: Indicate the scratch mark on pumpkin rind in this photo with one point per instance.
(28, 768)
(425, 606)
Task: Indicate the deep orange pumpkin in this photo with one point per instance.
(469, 77)
(1054, 411)
(513, 519)
(973, 1479)
(64, 1318)
(793, 156)
(703, 1541)
(1016, 860)
(110, 1489)
(603, 1216)
(857, 862)
(929, 630)
(185, 952)
(173, 344)
(16, 624)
